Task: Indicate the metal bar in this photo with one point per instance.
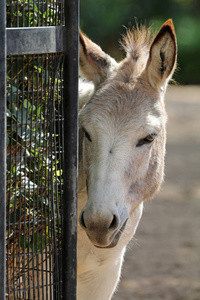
(70, 149)
(35, 40)
(2, 148)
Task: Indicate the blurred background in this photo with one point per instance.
(105, 20)
(163, 259)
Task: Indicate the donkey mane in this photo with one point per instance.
(137, 40)
(136, 44)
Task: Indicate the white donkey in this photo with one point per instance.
(122, 148)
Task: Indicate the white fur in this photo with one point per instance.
(86, 90)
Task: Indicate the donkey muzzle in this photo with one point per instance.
(103, 229)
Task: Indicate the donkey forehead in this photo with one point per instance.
(123, 105)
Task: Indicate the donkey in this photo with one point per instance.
(122, 147)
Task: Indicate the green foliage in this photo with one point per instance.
(34, 174)
(34, 147)
(103, 22)
(30, 13)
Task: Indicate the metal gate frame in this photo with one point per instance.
(3, 150)
(38, 40)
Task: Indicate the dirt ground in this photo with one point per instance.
(163, 260)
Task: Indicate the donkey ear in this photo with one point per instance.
(163, 53)
(94, 64)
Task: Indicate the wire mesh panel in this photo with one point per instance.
(35, 148)
(34, 176)
(32, 13)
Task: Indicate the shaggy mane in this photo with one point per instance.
(137, 41)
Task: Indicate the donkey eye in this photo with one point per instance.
(147, 140)
(87, 135)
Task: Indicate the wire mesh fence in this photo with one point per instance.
(32, 13)
(35, 159)
(34, 175)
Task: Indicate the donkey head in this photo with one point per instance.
(123, 127)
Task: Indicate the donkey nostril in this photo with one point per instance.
(81, 221)
(114, 224)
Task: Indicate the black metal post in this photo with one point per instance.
(70, 149)
(2, 147)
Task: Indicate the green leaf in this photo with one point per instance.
(8, 113)
(24, 132)
(23, 241)
(39, 242)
